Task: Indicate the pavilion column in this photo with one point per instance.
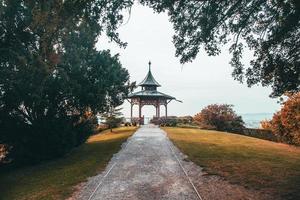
(158, 111)
(140, 111)
(166, 106)
(131, 115)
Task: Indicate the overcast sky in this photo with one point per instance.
(205, 81)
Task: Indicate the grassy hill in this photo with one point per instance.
(56, 179)
(248, 161)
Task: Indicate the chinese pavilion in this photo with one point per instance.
(148, 95)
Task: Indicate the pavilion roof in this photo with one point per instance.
(150, 93)
(149, 79)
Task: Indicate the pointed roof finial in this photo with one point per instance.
(149, 79)
(149, 65)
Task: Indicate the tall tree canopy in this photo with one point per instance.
(52, 79)
(271, 28)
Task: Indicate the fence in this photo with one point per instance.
(260, 133)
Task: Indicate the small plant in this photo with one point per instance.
(127, 124)
(266, 124)
(112, 118)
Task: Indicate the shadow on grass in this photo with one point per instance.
(56, 179)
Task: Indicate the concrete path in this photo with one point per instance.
(145, 168)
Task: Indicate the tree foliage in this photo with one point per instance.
(269, 28)
(113, 117)
(52, 79)
(285, 124)
(220, 117)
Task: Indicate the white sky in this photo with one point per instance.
(205, 81)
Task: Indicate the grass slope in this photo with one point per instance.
(248, 161)
(56, 179)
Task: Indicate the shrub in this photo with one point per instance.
(134, 123)
(220, 117)
(187, 126)
(171, 122)
(47, 139)
(127, 124)
(113, 117)
(265, 124)
(185, 120)
(285, 124)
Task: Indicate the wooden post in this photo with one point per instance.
(140, 113)
(158, 111)
(131, 112)
(166, 106)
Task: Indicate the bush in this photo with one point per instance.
(185, 120)
(285, 124)
(127, 124)
(187, 126)
(220, 117)
(265, 124)
(171, 121)
(47, 139)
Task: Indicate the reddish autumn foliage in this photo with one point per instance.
(265, 124)
(285, 124)
(220, 117)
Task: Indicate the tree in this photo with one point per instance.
(285, 124)
(269, 28)
(52, 79)
(112, 118)
(220, 117)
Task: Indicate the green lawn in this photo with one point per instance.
(251, 162)
(56, 179)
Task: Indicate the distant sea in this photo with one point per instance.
(252, 120)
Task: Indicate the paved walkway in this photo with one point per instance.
(146, 168)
